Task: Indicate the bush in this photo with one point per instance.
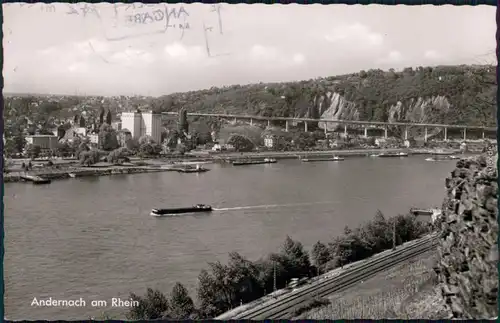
(312, 304)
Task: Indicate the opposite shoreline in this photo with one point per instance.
(165, 166)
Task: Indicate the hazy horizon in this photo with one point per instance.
(103, 50)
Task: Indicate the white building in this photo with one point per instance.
(81, 131)
(140, 124)
(132, 122)
(152, 124)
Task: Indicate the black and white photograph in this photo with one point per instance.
(232, 161)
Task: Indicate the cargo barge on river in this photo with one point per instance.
(198, 208)
(254, 162)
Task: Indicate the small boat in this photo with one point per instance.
(454, 157)
(441, 152)
(72, 175)
(400, 154)
(334, 158)
(41, 181)
(255, 162)
(198, 208)
(191, 169)
(438, 158)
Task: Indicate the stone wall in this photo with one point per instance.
(468, 251)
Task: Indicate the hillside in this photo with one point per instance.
(444, 94)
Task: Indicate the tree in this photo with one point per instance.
(297, 258)
(181, 305)
(303, 140)
(183, 122)
(90, 157)
(146, 139)
(172, 138)
(108, 139)
(207, 295)
(63, 149)
(152, 306)
(380, 232)
(149, 149)
(241, 143)
(61, 131)
(132, 144)
(82, 147)
(243, 275)
(320, 255)
(118, 155)
(108, 117)
(101, 115)
(14, 144)
(81, 122)
(214, 290)
(33, 151)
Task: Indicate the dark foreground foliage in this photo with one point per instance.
(240, 281)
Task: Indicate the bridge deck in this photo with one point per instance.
(345, 122)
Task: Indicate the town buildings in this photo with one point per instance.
(45, 142)
(142, 123)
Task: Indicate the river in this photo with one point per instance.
(93, 238)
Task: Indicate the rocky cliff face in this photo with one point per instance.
(468, 266)
(333, 105)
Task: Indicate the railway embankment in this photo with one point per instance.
(468, 253)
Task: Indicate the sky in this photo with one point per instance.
(107, 49)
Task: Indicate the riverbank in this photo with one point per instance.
(82, 172)
(71, 169)
(324, 153)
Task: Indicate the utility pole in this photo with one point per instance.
(274, 265)
(394, 235)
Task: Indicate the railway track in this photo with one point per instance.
(283, 307)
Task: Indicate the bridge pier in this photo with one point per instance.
(326, 128)
(425, 134)
(445, 134)
(251, 121)
(268, 123)
(305, 126)
(385, 132)
(465, 134)
(286, 125)
(406, 133)
(366, 132)
(482, 134)
(345, 130)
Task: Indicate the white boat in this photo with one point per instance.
(438, 158)
(72, 175)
